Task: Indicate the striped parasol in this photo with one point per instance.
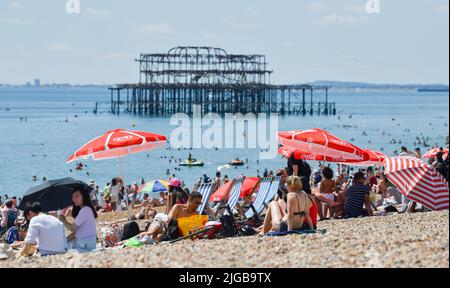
(154, 186)
(433, 153)
(418, 181)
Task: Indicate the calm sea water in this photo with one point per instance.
(41, 145)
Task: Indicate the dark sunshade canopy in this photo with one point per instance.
(53, 195)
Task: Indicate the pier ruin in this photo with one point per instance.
(175, 81)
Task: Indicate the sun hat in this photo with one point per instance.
(175, 182)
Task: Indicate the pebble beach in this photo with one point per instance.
(396, 240)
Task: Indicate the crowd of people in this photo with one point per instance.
(304, 197)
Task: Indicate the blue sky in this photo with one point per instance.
(304, 40)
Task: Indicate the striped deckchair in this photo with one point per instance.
(234, 196)
(273, 190)
(258, 205)
(206, 190)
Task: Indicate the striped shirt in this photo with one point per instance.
(355, 199)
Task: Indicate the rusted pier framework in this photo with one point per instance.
(220, 82)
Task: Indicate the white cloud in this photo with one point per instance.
(93, 11)
(58, 47)
(442, 9)
(343, 19)
(15, 5)
(156, 29)
(317, 7)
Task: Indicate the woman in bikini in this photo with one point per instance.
(291, 214)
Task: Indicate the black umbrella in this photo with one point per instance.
(53, 195)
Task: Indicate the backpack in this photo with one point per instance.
(172, 230)
(130, 230)
(228, 226)
(12, 235)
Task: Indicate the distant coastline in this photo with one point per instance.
(338, 85)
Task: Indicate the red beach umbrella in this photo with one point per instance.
(418, 181)
(372, 158)
(433, 152)
(320, 142)
(118, 143)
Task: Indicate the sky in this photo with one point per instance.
(404, 41)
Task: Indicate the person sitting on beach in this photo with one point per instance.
(282, 189)
(146, 212)
(8, 216)
(326, 194)
(107, 207)
(176, 194)
(158, 228)
(357, 197)
(290, 215)
(45, 231)
(440, 166)
(85, 226)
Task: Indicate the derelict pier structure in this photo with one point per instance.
(175, 81)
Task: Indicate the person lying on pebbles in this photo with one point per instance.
(158, 228)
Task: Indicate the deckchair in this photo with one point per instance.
(233, 196)
(206, 190)
(273, 190)
(257, 206)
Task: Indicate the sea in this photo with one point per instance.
(41, 127)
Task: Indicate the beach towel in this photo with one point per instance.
(294, 232)
(188, 224)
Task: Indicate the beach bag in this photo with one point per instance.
(228, 226)
(110, 235)
(130, 230)
(12, 235)
(172, 230)
(187, 224)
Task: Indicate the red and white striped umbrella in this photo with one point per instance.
(118, 143)
(433, 152)
(372, 158)
(320, 142)
(418, 181)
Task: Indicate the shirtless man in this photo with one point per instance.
(158, 227)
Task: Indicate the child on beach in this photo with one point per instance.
(326, 194)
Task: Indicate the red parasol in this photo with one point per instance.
(118, 143)
(320, 142)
